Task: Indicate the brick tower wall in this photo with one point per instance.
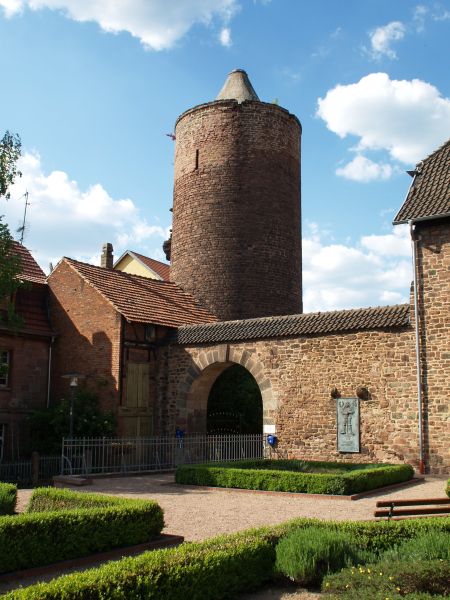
(236, 243)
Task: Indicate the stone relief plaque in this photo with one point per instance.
(348, 424)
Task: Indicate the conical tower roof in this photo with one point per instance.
(237, 87)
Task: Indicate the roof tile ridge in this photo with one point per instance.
(317, 314)
(441, 147)
(149, 258)
(121, 273)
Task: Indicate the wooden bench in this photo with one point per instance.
(422, 507)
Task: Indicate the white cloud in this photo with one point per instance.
(225, 37)
(382, 38)
(397, 243)
(364, 170)
(409, 119)
(158, 24)
(63, 219)
(419, 16)
(442, 16)
(377, 271)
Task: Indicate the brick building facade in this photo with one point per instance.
(109, 327)
(26, 352)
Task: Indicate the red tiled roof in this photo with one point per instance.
(429, 196)
(142, 299)
(31, 271)
(160, 268)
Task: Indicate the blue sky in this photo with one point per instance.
(93, 86)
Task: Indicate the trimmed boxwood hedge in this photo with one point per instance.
(61, 524)
(211, 570)
(391, 579)
(268, 475)
(8, 497)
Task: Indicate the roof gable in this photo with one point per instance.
(429, 195)
(31, 271)
(142, 299)
(157, 269)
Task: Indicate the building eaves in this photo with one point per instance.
(307, 324)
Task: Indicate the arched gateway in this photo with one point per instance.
(207, 367)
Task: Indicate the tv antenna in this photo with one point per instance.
(21, 229)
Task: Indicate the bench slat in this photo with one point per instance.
(413, 511)
(413, 502)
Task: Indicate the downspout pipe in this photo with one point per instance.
(417, 340)
(49, 375)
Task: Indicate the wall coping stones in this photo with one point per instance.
(306, 324)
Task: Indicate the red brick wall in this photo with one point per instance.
(434, 310)
(88, 336)
(236, 243)
(27, 388)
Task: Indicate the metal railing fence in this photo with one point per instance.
(84, 456)
(38, 470)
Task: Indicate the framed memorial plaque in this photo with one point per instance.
(347, 424)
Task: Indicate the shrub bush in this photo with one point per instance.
(387, 579)
(8, 497)
(62, 524)
(306, 555)
(217, 568)
(245, 475)
(426, 546)
(197, 571)
(447, 488)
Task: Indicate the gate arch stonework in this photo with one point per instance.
(206, 366)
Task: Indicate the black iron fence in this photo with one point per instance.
(39, 470)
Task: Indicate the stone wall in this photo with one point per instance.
(296, 375)
(434, 305)
(236, 242)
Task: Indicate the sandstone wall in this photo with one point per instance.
(296, 376)
(434, 305)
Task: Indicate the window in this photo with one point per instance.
(4, 367)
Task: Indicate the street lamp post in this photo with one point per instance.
(73, 384)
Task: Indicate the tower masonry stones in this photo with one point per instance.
(236, 241)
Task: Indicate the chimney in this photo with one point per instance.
(107, 257)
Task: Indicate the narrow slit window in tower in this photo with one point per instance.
(196, 159)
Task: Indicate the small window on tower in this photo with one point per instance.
(197, 152)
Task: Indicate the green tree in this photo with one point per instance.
(10, 147)
(50, 425)
(10, 265)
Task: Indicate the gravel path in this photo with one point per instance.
(199, 513)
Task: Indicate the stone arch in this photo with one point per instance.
(206, 367)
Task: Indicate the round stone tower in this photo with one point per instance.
(236, 241)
